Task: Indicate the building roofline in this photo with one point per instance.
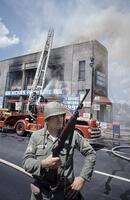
(73, 44)
(20, 56)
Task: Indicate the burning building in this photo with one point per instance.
(71, 70)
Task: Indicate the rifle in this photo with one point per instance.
(59, 145)
(68, 129)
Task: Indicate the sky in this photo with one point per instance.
(24, 26)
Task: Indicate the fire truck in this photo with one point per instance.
(10, 120)
(25, 124)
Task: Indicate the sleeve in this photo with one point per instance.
(30, 163)
(89, 156)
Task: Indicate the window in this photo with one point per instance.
(15, 80)
(57, 71)
(80, 122)
(81, 71)
(84, 123)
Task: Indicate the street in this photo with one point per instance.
(110, 180)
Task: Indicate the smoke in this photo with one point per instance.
(78, 21)
(75, 21)
(56, 87)
(109, 26)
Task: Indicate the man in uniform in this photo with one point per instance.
(39, 162)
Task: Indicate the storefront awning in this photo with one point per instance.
(102, 100)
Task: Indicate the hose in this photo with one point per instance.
(114, 151)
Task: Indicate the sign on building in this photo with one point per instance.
(87, 115)
(71, 101)
(53, 91)
(87, 104)
(96, 107)
(18, 105)
(17, 93)
(100, 79)
(108, 107)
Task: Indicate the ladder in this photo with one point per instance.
(39, 79)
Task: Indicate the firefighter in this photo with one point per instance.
(40, 104)
(32, 105)
(38, 159)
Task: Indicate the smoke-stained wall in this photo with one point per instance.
(62, 58)
(70, 56)
(101, 69)
(81, 53)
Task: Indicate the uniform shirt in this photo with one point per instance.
(40, 147)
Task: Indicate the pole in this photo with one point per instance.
(92, 78)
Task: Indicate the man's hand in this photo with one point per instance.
(51, 163)
(75, 187)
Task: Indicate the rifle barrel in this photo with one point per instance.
(81, 102)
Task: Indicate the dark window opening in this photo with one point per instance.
(57, 71)
(15, 82)
(81, 71)
(84, 123)
(80, 122)
(30, 74)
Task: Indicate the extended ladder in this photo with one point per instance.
(39, 79)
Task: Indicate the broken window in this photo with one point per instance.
(30, 73)
(16, 80)
(57, 71)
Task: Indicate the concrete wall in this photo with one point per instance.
(71, 55)
(4, 67)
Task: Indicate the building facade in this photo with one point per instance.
(69, 74)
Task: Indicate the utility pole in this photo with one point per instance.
(92, 62)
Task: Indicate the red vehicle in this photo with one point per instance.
(19, 122)
(89, 128)
(9, 120)
(29, 124)
(24, 123)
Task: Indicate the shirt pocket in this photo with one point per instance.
(41, 153)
